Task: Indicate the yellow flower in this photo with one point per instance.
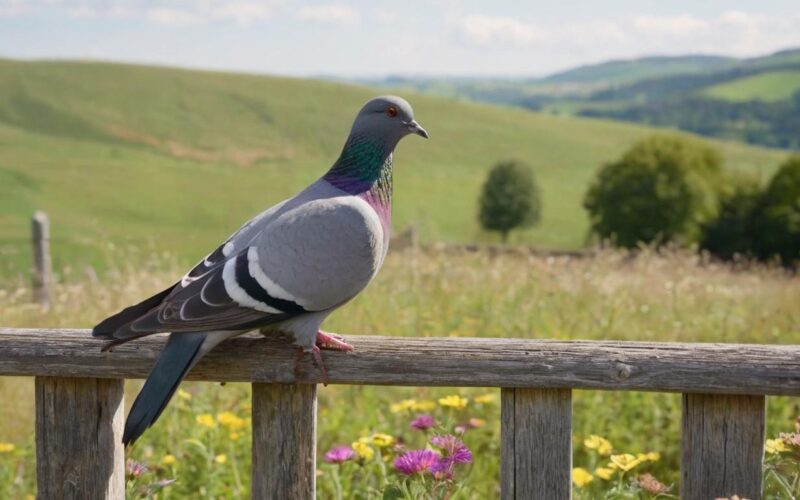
(6, 447)
(230, 420)
(625, 462)
(424, 405)
(652, 456)
(382, 440)
(362, 449)
(581, 476)
(168, 459)
(221, 458)
(404, 405)
(771, 446)
(234, 436)
(601, 444)
(184, 394)
(205, 419)
(486, 398)
(453, 401)
(604, 473)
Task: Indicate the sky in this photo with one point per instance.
(400, 37)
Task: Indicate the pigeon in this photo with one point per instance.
(283, 272)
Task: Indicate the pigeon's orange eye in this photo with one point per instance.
(391, 111)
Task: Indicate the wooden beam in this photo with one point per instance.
(79, 451)
(637, 366)
(284, 441)
(536, 444)
(722, 446)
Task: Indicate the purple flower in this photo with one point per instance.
(416, 461)
(339, 454)
(423, 422)
(455, 452)
(135, 469)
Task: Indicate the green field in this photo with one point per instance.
(769, 87)
(174, 160)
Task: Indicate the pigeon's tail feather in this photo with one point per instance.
(182, 351)
(108, 326)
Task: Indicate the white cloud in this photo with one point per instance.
(491, 29)
(677, 26)
(329, 14)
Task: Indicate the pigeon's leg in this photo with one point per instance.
(317, 354)
(327, 340)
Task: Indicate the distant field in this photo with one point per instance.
(170, 160)
(770, 87)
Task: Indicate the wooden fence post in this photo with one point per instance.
(42, 266)
(722, 446)
(284, 441)
(79, 451)
(536, 444)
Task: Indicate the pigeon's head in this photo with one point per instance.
(389, 118)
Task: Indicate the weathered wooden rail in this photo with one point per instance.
(79, 402)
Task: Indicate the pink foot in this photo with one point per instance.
(317, 355)
(326, 340)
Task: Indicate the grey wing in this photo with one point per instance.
(320, 254)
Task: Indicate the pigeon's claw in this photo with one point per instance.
(316, 353)
(326, 340)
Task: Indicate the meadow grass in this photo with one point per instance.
(770, 87)
(177, 159)
(671, 296)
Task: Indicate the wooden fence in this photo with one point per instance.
(79, 402)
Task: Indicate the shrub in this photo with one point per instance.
(660, 190)
(779, 221)
(733, 231)
(509, 199)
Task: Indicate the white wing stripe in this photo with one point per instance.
(238, 294)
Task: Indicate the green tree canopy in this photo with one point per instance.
(779, 228)
(510, 198)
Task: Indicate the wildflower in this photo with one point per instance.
(168, 459)
(775, 446)
(424, 405)
(221, 458)
(486, 398)
(581, 477)
(6, 447)
(234, 436)
(362, 449)
(134, 468)
(416, 461)
(476, 423)
(604, 473)
(651, 485)
(423, 422)
(652, 456)
(625, 461)
(339, 455)
(453, 401)
(382, 440)
(404, 405)
(453, 448)
(792, 439)
(205, 419)
(185, 395)
(601, 444)
(230, 420)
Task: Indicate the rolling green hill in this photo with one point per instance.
(168, 160)
(768, 87)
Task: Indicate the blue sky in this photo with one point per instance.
(375, 38)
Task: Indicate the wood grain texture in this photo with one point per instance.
(722, 446)
(650, 366)
(79, 438)
(536, 444)
(284, 441)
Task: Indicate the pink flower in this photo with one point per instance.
(416, 461)
(455, 452)
(339, 454)
(423, 422)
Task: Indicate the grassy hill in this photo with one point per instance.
(160, 159)
(769, 87)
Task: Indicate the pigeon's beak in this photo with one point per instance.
(415, 128)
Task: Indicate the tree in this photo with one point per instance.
(734, 230)
(779, 222)
(662, 189)
(509, 199)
